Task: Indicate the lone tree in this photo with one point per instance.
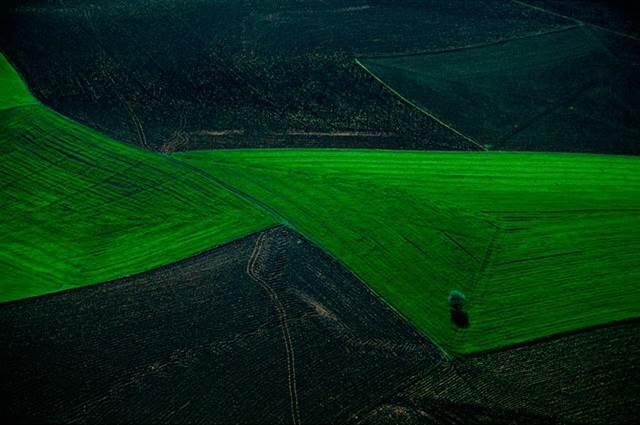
(456, 300)
(458, 316)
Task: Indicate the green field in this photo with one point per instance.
(13, 91)
(526, 93)
(539, 243)
(79, 208)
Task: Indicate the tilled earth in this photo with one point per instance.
(265, 329)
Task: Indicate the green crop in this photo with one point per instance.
(79, 208)
(539, 243)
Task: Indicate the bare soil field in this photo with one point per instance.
(264, 329)
(153, 72)
(587, 377)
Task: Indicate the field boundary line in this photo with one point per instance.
(477, 278)
(371, 291)
(279, 218)
(579, 21)
(550, 110)
(554, 336)
(420, 108)
(284, 221)
(282, 318)
(473, 46)
(487, 258)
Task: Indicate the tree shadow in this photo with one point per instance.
(460, 318)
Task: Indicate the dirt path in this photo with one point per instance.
(254, 274)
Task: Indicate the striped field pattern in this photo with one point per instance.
(539, 243)
(80, 208)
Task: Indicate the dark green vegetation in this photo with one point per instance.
(588, 377)
(567, 90)
(178, 75)
(79, 208)
(13, 91)
(538, 243)
(203, 341)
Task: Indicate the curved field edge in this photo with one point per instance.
(541, 244)
(80, 208)
(462, 239)
(13, 90)
(177, 329)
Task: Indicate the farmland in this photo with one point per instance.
(236, 81)
(616, 16)
(579, 378)
(201, 339)
(13, 91)
(541, 243)
(80, 208)
(525, 94)
(413, 226)
(319, 211)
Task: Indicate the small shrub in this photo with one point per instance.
(458, 316)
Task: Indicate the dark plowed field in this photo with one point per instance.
(616, 15)
(265, 329)
(589, 377)
(180, 75)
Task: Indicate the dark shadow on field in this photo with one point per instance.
(460, 318)
(587, 377)
(265, 329)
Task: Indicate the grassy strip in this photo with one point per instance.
(540, 243)
(79, 208)
(13, 91)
